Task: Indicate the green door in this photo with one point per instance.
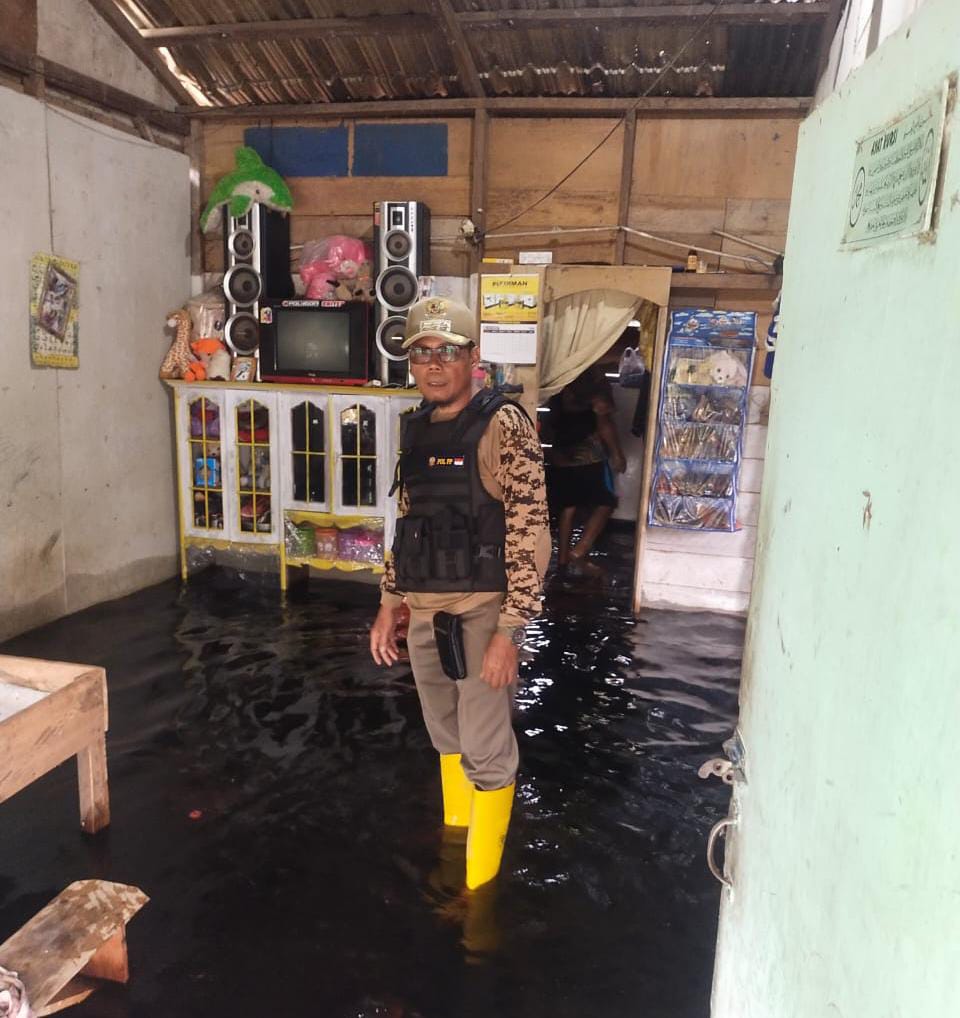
(845, 855)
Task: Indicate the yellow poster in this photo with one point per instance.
(54, 312)
(511, 299)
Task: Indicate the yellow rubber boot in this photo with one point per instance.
(457, 791)
(489, 821)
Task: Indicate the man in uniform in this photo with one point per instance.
(472, 542)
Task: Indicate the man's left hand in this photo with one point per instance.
(500, 662)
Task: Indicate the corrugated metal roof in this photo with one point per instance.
(607, 58)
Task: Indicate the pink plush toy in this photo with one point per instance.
(326, 263)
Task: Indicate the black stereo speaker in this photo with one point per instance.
(401, 251)
(256, 265)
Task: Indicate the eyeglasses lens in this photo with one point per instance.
(447, 353)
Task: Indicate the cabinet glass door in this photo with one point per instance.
(252, 460)
(358, 432)
(304, 448)
(202, 483)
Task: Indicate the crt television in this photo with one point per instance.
(322, 341)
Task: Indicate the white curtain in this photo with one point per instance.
(578, 330)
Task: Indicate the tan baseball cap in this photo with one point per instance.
(441, 317)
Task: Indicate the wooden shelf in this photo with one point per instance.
(324, 563)
(712, 282)
(305, 387)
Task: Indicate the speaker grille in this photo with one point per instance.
(242, 285)
(398, 244)
(390, 338)
(242, 334)
(397, 287)
(242, 243)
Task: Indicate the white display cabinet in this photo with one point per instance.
(360, 467)
(305, 443)
(260, 464)
(252, 457)
(201, 441)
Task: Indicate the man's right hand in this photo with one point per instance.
(383, 636)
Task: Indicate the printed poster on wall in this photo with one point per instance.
(895, 174)
(508, 342)
(54, 312)
(509, 298)
(509, 313)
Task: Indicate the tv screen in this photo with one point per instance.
(307, 341)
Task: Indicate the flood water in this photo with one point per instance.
(275, 795)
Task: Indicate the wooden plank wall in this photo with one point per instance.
(690, 175)
(328, 205)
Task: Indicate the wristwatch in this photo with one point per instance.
(515, 634)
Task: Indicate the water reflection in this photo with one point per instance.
(315, 852)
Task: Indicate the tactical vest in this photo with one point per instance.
(453, 535)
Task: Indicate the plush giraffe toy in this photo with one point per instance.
(180, 358)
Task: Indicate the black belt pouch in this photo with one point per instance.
(448, 634)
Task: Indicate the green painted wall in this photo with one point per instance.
(846, 860)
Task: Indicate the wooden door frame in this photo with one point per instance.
(649, 440)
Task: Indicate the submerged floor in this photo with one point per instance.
(275, 794)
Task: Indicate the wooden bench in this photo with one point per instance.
(50, 711)
(79, 939)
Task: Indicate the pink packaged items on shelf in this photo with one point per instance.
(360, 545)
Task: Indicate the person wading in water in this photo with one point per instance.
(585, 449)
(471, 548)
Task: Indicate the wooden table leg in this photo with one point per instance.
(94, 789)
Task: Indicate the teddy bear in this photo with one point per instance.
(359, 288)
(213, 361)
(324, 264)
(724, 369)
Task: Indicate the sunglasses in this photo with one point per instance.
(446, 353)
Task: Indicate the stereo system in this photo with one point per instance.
(401, 251)
(256, 263)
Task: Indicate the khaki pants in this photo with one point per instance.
(466, 717)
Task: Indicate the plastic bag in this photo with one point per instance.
(207, 314)
(327, 262)
(300, 539)
(632, 369)
(361, 544)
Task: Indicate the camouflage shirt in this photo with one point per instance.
(511, 470)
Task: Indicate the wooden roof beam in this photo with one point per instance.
(82, 86)
(728, 14)
(455, 23)
(587, 106)
(120, 23)
(457, 40)
(294, 28)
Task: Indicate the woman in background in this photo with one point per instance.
(585, 449)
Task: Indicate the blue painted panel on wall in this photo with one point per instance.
(400, 150)
(301, 151)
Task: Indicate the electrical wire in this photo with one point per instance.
(708, 17)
